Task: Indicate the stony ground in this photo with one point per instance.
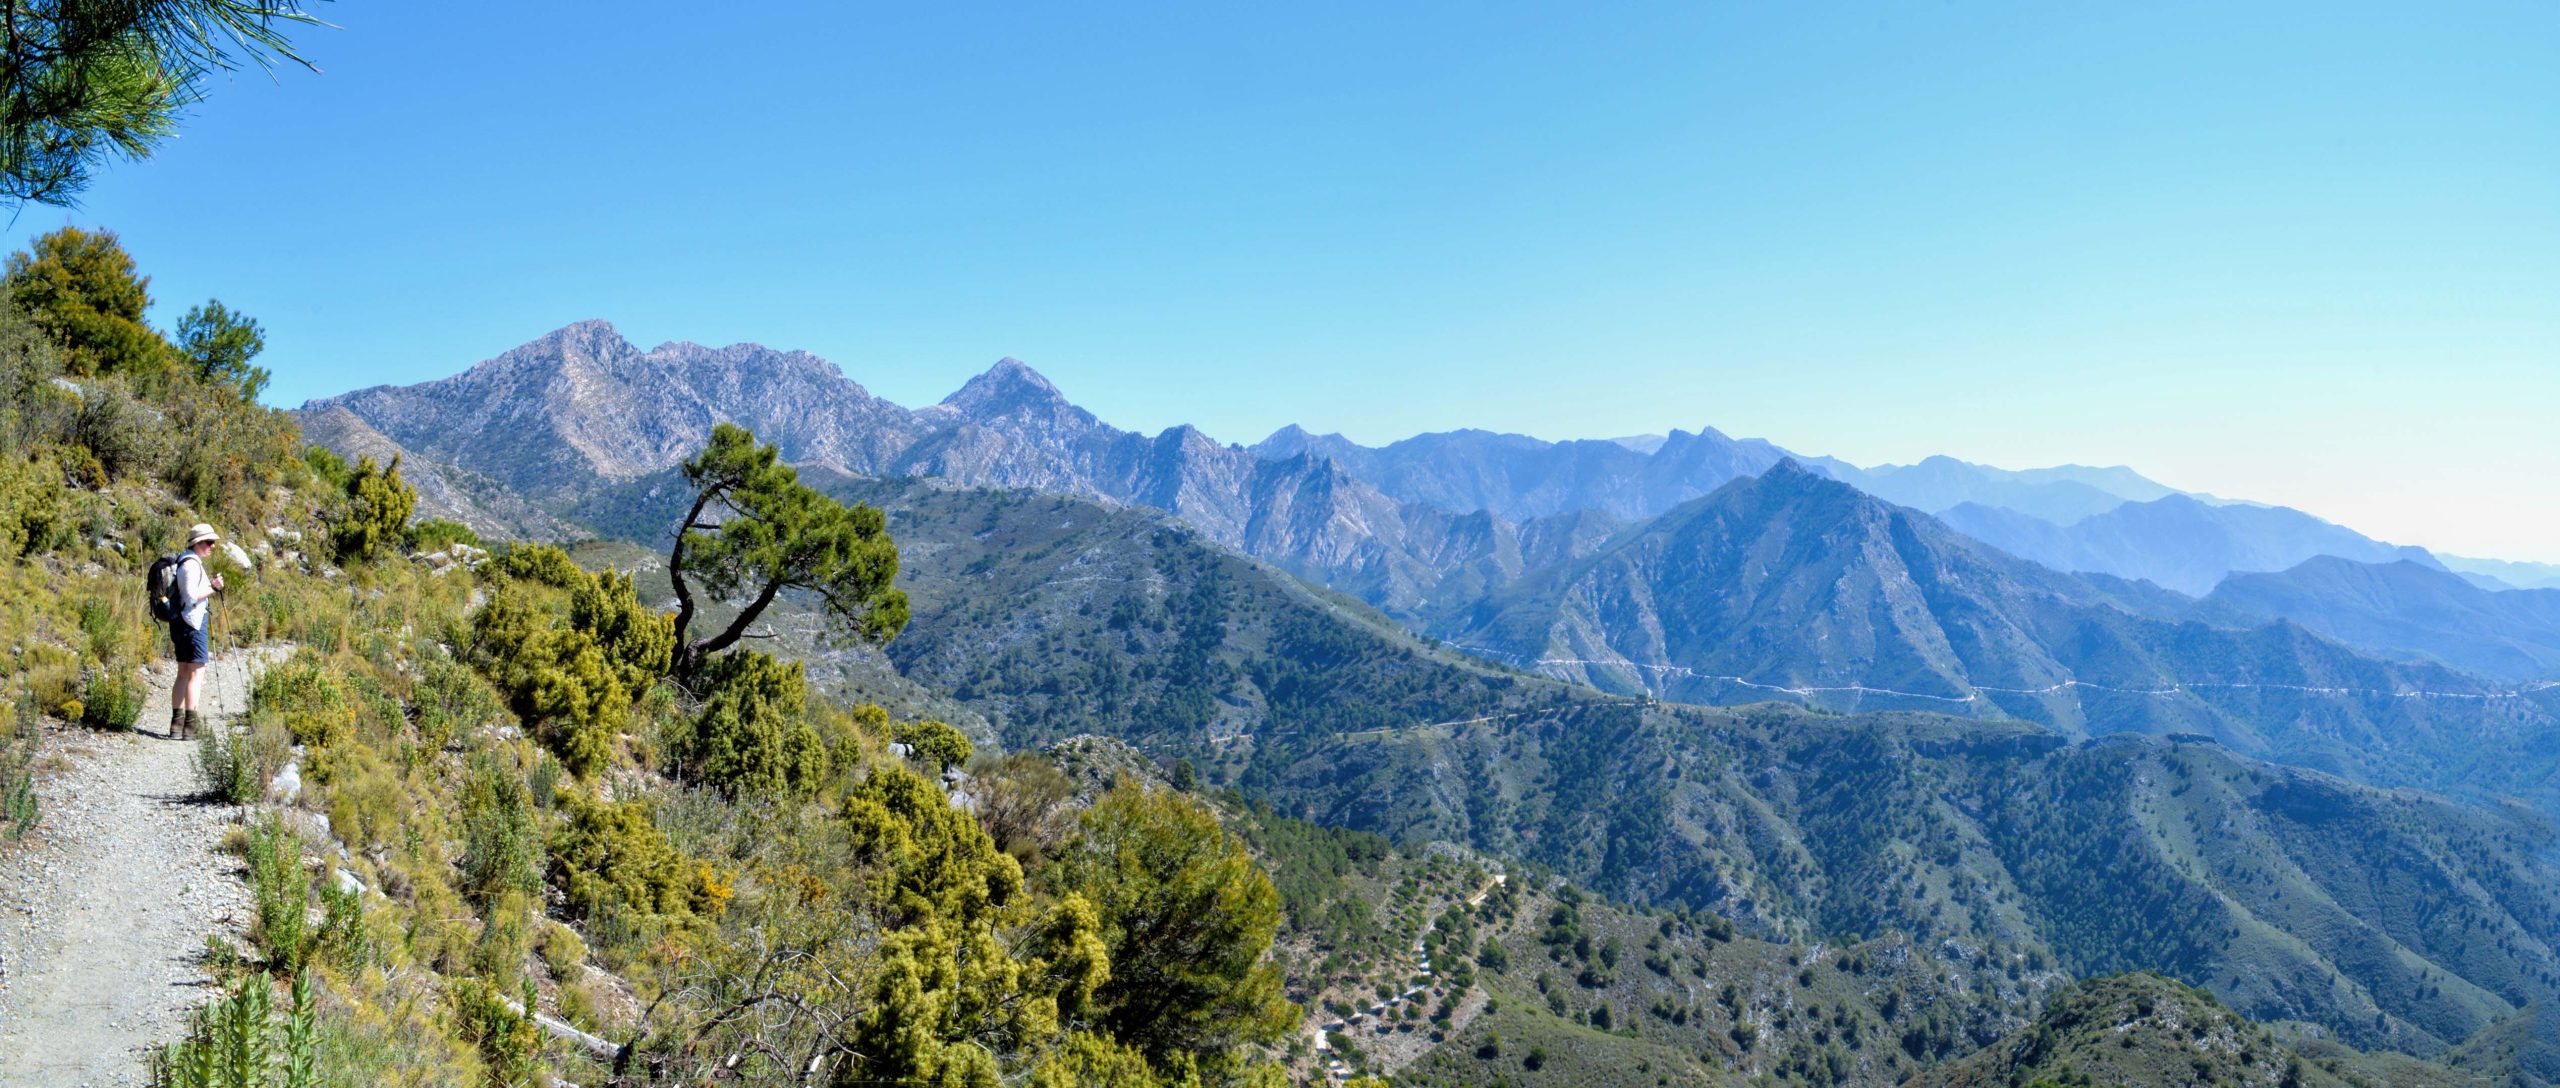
(105, 908)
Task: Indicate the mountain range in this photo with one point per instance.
(1050, 615)
(1708, 569)
(582, 407)
(1068, 577)
(2176, 541)
(2408, 610)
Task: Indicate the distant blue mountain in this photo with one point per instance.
(2062, 494)
(1636, 477)
(2181, 542)
(1516, 477)
(2405, 610)
(2505, 574)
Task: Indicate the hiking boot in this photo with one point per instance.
(177, 724)
(194, 720)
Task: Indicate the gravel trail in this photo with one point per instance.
(105, 908)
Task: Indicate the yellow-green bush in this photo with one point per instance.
(753, 734)
(540, 563)
(375, 520)
(450, 698)
(501, 843)
(364, 796)
(304, 695)
(33, 515)
(935, 744)
(437, 534)
(608, 855)
(638, 641)
(508, 1043)
(556, 678)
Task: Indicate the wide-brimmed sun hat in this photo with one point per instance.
(201, 533)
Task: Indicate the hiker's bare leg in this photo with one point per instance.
(190, 675)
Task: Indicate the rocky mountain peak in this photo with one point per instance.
(1009, 388)
(594, 336)
(1288, 440)
(1790, 474)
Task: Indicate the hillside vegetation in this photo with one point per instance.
(1048, 615)
(2144, 1029)
(521, 812)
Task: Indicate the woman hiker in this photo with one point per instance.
(187, 641)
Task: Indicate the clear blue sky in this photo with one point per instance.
(2304, 254)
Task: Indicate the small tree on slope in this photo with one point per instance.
(756, 530)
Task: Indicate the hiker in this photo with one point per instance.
(190, 612)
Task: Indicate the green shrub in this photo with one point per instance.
(752, 735)
(935, 744)
(541, 563)
(328, 465)
(98, 622)
(506, 939)
(18, 810)
(234, 765)
(122, 433)
(111, 699)
(34, 515)
(501, 847)
(562, 952)
(508, 1041)
(556, 678)
(639, 641)
(237, 1042)
(80, 288)
(609, 855)
(307, 698)
(576, 703)
(376, 518)
(282, 891)
(437, 534)
(450, 698)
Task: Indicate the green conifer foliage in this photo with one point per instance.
(753, 734)
(936, 744)
(756, 530)
(637, 640)
(1086, 1060)
(376, 519)
(973, 976)
(609, 855)
(1187, 917)
(576, 699)
(541, 563)
(81, 289)
(558, 679)
(218, 342)
(81, 80)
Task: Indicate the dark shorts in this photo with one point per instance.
(188, 645)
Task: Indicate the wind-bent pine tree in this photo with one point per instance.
(756, 530)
